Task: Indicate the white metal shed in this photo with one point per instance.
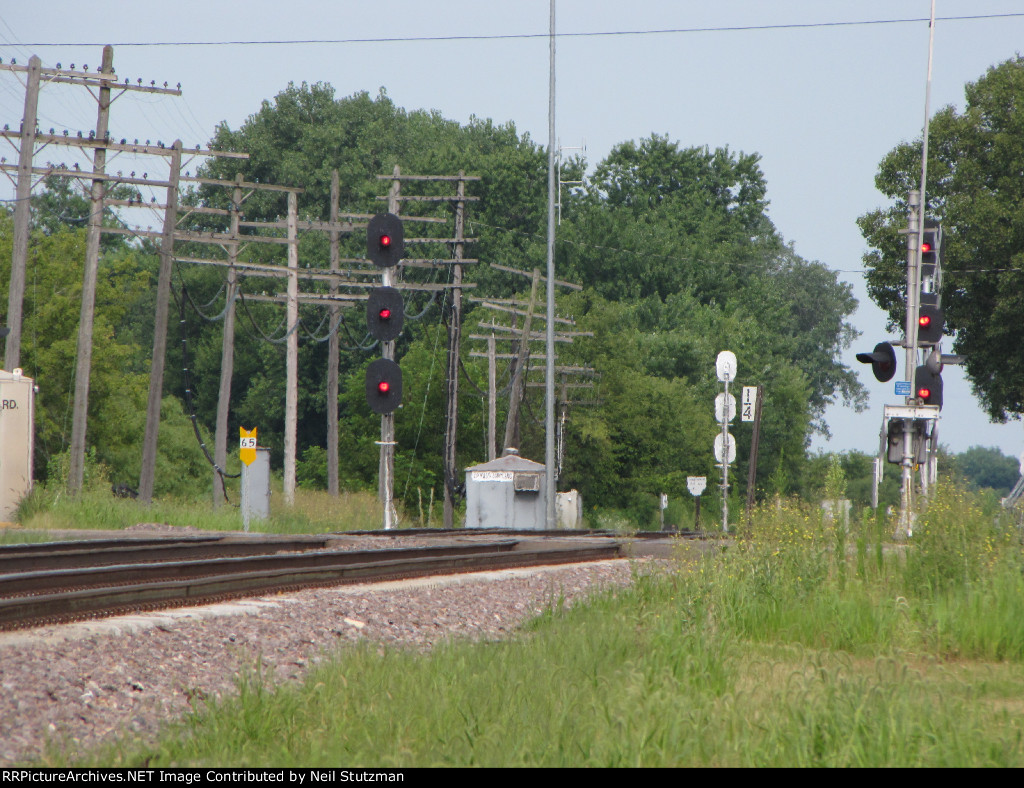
(506, 493)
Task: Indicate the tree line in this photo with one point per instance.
(673, 246)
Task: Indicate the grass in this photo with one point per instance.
(800, 645)
(313, 512)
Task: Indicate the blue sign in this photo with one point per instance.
(902, 388)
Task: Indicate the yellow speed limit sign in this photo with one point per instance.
(247, 445)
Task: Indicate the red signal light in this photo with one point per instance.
(385, 241)
(383, 387)
(924, 321)
(924, 392)
(385, 314)
(926, 247)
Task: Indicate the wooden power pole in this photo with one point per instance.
(19, 257)
(76, 472)
(163, 298)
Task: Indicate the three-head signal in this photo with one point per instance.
(385, 312)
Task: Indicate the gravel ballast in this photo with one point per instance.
(79, 685)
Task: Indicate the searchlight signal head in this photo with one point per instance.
(385, 240)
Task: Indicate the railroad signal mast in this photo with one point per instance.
(385, 315)
(909, 435)
(924, 323)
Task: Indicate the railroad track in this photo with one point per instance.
(398, 533)
(59, 582)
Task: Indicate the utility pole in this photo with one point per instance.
(291, 402)
(333, 346)
(519, 367)
(227, 352)
(516, 395)
(524, 337)
(102, 83)
(19, 257)
(83, 367)
(454, 341)
(28, 136)
(163, 297)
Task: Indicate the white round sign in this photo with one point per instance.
(725, 409)
(725, 365)
(730, 441)
(696, 484)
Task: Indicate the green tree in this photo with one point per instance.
(119, 377)
(674, 248)
(987, 467)
(974, 188)
(660, 220)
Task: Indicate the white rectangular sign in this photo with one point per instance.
(696, 484)
(749, 403)
(492, 476)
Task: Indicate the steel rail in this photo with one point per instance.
(104, 552)
(35, 582)
(32, 548)
(234, 579)
(397, 533)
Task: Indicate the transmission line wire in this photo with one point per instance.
(529, 36)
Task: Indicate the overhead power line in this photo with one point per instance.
(517, 36)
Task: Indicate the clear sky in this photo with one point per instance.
(820, 99)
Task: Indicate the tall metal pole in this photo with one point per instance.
(19, 256)
(549, 375)
(927, 120)
(915, 236)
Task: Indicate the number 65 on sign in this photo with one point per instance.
(247, 445)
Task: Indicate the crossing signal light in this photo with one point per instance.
(383, 386)
(385, 313)
(931, 249)
(385, 240)
(928, 385)
(930, 321)
(882, 360)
